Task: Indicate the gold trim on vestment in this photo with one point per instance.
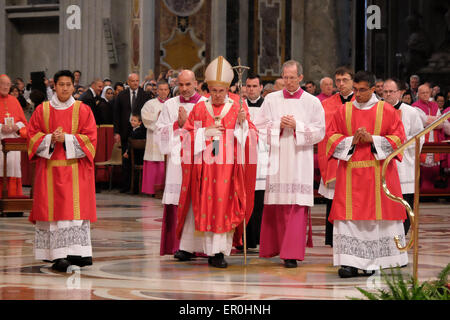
(348, 196)
(212, 83)
(76, 188)
(46, 109)
(33, 141)
(378, 211)
(88, 144)
(348, 117)
(396, 139)
(332, 140)
(75, 116)
(219, 69)
(379, 119)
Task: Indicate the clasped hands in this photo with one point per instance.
(6, 129)
(362, 136)
(288, 122)
(58, 136)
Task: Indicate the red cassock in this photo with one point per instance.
(221, 193)
(359, 194)
(328, 166)
(63, 189)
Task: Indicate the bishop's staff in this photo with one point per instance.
(240, 69)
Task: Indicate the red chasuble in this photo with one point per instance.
(328, 166)
(63, 189)
(221, 194)
(359, 194)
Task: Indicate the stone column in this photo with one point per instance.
(85, 48)
(147, 37)
(320, 39)
(298, 29)
(2, 37)
(243, 31)
(218, 28)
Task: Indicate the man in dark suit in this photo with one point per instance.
(91, 97)
(127, 102)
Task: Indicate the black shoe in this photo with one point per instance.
(79, 261)
(12, 214)
(290, 263)
(218, 261)
(183, 255)
(350, 272)
(61, 265)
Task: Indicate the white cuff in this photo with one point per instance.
(43, 150)
(70, 148)
(200, 143)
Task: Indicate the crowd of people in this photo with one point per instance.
(355, 119)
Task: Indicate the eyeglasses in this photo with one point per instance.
(345, 80)
(389, 91)
(361, 90)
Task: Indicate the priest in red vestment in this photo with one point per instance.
(13, 125)
(62, 138)
(218, 184)
(362, 135)
(343, 78)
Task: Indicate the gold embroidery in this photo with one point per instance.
(76, 117)
(378, 213)
(76, 191)
(348, 196)
(348, 117)
(46, 109)
(396, 140)
(379, 119)
(332, 140)
(33, 141)
(88, 144)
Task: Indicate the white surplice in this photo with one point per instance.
(149, 113)
(290, 178)
(406, 168)
(169, 143)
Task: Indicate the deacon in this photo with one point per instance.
(293, 121)
(362, 134)
(218, 186)
(13, 125)
(430, 162)
(412, 125)
(62, 137)
(343, 78)
(153, 172)
(168, 128)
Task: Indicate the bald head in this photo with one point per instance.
(424, 93)
(187, 83)
(326, 86)
(133, 81)
(5, 85)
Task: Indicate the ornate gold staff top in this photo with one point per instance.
(240, 69)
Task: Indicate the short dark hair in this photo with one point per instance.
(254, 76)
(365, 76)
(396, 81)
(310, 82)
(78, 72)
(63, 73)
(205, 87)
(162, 82)
(137, 115)
(118, 84)
(342, 70)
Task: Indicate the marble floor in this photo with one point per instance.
(127, 264)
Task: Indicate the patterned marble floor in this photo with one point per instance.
(127, 265)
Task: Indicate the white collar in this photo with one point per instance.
(368, 105)
(254, 101)
(58, 105)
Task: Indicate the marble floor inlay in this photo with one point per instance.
(127, 264)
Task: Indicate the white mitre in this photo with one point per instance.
(219, 73)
